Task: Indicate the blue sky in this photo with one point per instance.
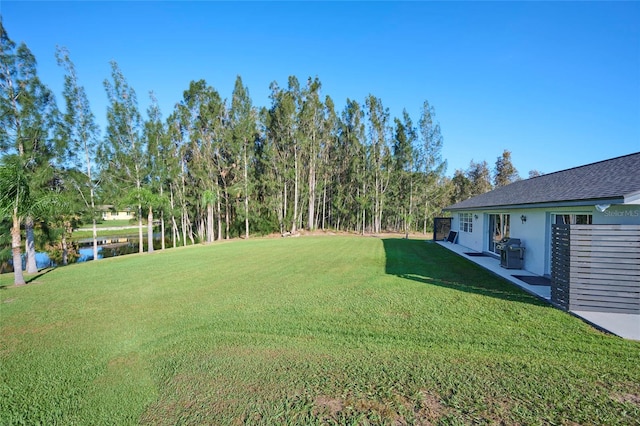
(556, 83)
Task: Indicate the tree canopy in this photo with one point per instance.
(216, 169)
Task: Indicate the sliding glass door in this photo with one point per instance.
(498, 229)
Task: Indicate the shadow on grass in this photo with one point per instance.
(428, 263)
(40, 274)
(28, 278)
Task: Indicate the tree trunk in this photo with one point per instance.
(92, 199)
(175, 236)
(364, 209)
(185, 218)
(18, 277)
(162, 230)
(324, 203)
(190, 232)
(150, 230)
(63, 242)
(380, 214)
(227, 216)
(95, 238)
(210, 236)
(312, 195)
(174, 225)
(376, 201)
(219, 208)
(294, 222)
(410, 217)
(140, 237)
(284, 204)
(65, 249)
(246, 195)
(202, 227)
(426, 212)
(32, 268)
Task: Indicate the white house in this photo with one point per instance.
(109, 212)
(606, 192)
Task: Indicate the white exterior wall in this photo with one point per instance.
(535, 232)
(533, 235)
(109, 215)
(618, 215)
(472, 240)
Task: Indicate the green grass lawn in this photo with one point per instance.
(313, 330)
(113, 223)
(105, 229)
(125, 232)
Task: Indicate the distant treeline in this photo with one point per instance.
(216, 169)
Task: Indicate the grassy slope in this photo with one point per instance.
(302, 331)
(106, 229)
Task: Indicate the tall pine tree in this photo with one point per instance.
(123, 152)
(80, 132)
(28, 112)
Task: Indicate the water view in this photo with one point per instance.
(107, 247)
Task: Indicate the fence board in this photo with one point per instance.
(596, 267)
(607, 287)
(596, 276)
(595, 262)
(622, 244)
(604, 251)
(606, 282)
(611, 308)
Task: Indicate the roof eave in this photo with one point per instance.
(633, 198)
(551, 204)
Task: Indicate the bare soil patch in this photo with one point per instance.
(627, 398)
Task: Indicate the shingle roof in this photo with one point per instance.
(614, 179)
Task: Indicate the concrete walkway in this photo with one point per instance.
(623, 325)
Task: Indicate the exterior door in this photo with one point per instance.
(498, 229)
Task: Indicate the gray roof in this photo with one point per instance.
(614, 181)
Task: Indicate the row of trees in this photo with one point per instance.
(214, 169)
(478, 178)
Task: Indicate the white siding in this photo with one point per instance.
(472, 240)
(535, 232)
(618, 215)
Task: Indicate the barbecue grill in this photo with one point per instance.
(511, 253)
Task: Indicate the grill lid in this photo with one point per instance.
(509, 243)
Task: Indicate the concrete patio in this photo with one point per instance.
(624, 325)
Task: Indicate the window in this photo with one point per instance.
(466, 222)
(574, 219)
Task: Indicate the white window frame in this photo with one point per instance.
(465, 222)
(574, 218)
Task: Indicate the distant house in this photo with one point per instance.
(580, 227)
(109, 212)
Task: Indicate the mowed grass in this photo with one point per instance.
(313, 330)
(106, 229)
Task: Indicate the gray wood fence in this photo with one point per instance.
(596, 268)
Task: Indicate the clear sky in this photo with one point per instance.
(556, 83)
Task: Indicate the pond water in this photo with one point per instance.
(107, 247)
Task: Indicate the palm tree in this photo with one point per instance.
(14, 201)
